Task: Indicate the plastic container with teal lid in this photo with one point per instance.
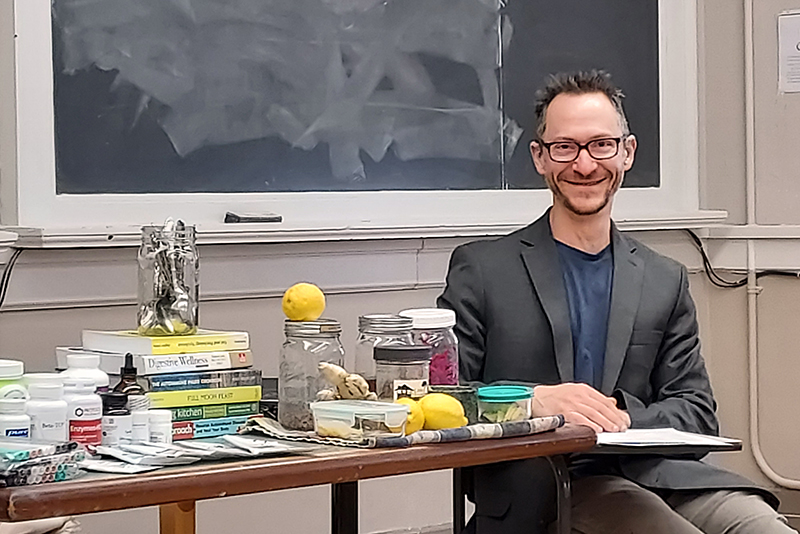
(11, 384)
(499, 404)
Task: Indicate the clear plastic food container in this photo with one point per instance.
(357, 419)
(498, 404)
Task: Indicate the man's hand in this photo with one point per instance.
(580, 404)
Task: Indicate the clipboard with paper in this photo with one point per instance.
(662, 441)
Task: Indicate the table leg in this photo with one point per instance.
(564, 493)
(344, 508)
(458, 501)
(177, 518)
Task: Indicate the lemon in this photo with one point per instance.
(303, 302)
(416, 417)
(442, 411)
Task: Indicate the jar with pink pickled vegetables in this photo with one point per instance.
(434, 327)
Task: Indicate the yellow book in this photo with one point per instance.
(202, 397)
(131, 341)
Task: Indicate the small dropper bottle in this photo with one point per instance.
(128, 379)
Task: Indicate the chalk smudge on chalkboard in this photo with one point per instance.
(356, 75)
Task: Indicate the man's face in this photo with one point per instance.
(584, 186)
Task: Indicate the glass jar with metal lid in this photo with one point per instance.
(307, 344)
(169, 280)
(402, 371)
(434, 327)
(379, 330)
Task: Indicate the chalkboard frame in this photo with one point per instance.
(38, 204)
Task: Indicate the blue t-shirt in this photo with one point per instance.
(588, 279)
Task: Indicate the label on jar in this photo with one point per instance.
(416, 389)
(116, 429)
(86, 432)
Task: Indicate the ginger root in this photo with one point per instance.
(348, 385)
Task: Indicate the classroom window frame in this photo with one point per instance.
(33, 201)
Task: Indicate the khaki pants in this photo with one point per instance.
(614, 505)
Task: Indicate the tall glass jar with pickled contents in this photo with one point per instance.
(307, 344)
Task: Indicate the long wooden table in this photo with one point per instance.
(177, 489)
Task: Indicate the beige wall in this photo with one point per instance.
(29, 329)
(723, 312)
(777, 124)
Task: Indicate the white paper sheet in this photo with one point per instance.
(659, 437)
(789, 52)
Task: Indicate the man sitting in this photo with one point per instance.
(605, 330)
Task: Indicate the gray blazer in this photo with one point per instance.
(513, 325)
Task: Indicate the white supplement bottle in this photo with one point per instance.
(14, 423)
(85, 365)
(84, 411)
(140, 426)
(160, 426)
(48, 412)
(117, 420)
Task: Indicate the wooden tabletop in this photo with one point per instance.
(329, 465)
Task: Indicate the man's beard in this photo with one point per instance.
(553, 184)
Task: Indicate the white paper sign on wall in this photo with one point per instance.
(789, 51)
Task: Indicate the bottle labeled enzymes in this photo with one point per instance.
(84, 411)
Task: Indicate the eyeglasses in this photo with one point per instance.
(567, 151)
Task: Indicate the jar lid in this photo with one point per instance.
(11, 369)
(176, 230)
(45, 390)
(113, 400)
(43, 378)
(83, 360)
(140, 417)
(12, 405)
(138, 403)
(311, 328)
(403, 353)
(160, 416)
(79, 383)
(504, 393)
(425, 318)
(384, 323)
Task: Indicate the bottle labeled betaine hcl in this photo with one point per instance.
(48, 412)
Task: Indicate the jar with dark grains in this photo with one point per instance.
(307, 344)
(402, 371)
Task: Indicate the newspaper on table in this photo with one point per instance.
(141, 457)
(271, 428)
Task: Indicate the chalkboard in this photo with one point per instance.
(155, 96)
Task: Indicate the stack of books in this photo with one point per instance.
(205, 379)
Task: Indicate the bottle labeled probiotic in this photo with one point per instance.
(84, 411)
(14, 423)
(48, 412)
